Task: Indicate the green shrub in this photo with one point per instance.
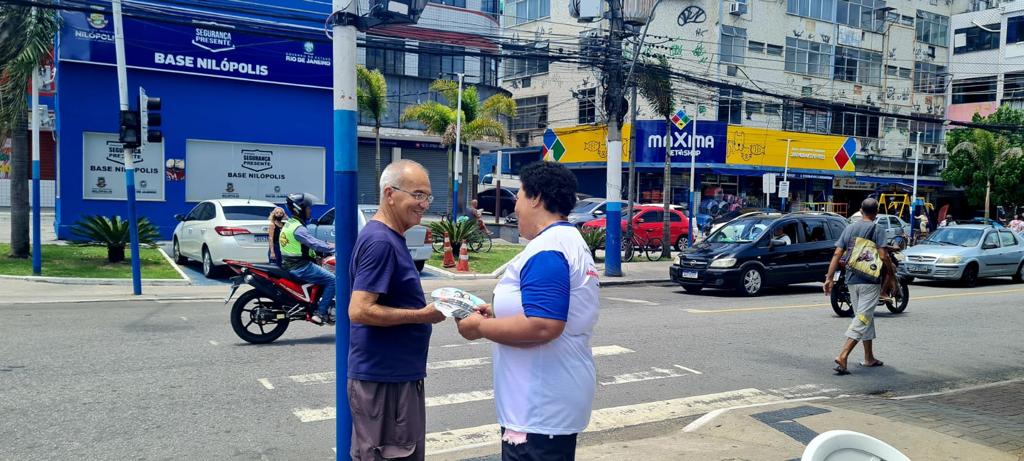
(457, 232)
(594, 238)
(113, 233)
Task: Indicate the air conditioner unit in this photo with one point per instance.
(731, 71)
(880, 145)
(931, 150)
(738, 8)
(908, 152)
(523, 139)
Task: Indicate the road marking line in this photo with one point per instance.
(691, 370)
(704, 420)
(311, 415)
(962, 389)
(266, 383)
(185, 319)
(607, 418)
(471, 343)
(329, 376)
(652, 374)
(802, 306)
(463, 397)
(633, 301)
(215, 343)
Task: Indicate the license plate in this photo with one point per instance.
(689, 274)
(917, 268)
(262, 238)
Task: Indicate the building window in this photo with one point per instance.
(900, 72)
(458, 3)
(528, 10)
(861, 14)
(889, 124)
(516, 68)
(970, 39)
(755, 47)
(441, 61)
(491, 7)
(816, 9)
(587, 106)
(1015, 30)
(531, 114)
(806, 120)
(806, 57)
(775, 50)
(854, 124)
(772, 109)
(932, 28)
(733, 45)
(929, 78)
(1013, 87)
(730, 106)
(856, 65)
(931, 133)
(388, 61)
(974, 90)
(488, 71)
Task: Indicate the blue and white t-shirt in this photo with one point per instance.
(548, 389)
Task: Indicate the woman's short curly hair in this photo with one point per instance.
(553, 183)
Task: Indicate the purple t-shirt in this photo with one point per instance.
(381, 264)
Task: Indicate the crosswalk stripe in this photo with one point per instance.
(652, 374)
(311, 415)
(631, 301)
(608, 418)
(461, 397)
(330, 376)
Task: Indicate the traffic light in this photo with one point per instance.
(128, 133)
(149, 118)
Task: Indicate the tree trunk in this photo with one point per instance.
(376, 134)
(451, 184)
(666, 194)
(988, 194)
(19, 188)
(115, 254)
(469, 175)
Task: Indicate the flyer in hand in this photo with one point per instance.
(453, 302)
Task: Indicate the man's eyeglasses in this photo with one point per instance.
(419, 196)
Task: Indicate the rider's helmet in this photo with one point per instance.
(298, 203)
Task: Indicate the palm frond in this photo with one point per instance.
(498, 105)
(655, 85)
(432, 114)
(371, 93)
(484, 128)
(29, 44)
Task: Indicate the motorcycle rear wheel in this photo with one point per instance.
(900, 300)
(840, 298)
(255, 309)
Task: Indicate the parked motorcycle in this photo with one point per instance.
(262, 314)
(896, 303)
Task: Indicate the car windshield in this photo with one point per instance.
(740, 231)
(954, 236)
(585, 207)
(368, 213)
(247, 213)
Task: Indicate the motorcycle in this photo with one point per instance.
(896, 303)
(262, 314)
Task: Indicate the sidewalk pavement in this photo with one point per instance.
(983, 423)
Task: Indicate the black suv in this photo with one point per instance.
(749, 253)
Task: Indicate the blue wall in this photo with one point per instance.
(193, 108)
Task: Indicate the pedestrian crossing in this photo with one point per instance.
(602, 419)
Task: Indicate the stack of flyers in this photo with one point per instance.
(453, 302)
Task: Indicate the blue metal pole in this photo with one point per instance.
(129, 153)
(346, 168)
(37, 255)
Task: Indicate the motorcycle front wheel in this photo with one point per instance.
(256, 319)
(899, 301)
(840, 298)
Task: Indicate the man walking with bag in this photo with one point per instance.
(862, 246)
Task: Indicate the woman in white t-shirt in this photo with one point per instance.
(544, 311)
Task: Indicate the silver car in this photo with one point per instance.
(418, 239)
(966, 253)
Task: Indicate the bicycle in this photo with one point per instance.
(650, 247)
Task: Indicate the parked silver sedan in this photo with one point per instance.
(966, 253)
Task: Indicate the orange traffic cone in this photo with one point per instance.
(449, 257)
(463, 258)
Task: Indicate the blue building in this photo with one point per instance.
(246, 114)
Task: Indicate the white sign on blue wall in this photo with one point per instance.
(221, 170)
(103, 169)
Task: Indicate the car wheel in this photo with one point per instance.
(419, 265)
(1019, 276)
(209, 269)
(692, 289)
(751, 282)
(176, 250)
(970, 277)
(681, 242)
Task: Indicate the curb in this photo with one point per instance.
(457, 276)
(119, 298)
(91, 281)
(618, 283)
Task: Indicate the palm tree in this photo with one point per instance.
(479, 120)
(655, 86)
(372, 98)
(26, 42)
(989, 152)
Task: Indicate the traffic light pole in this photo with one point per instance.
(129, 153)
(345, 180)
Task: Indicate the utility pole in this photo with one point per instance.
(785, 178)
(458, 152)
(913, 194)
(37, 257)
(346, 119)
(497, 191)
(613, 241)
(693, 175)
(129, 151)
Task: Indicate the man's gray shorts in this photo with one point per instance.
(864, 298)
(389, 420)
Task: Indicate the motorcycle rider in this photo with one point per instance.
(298, 250)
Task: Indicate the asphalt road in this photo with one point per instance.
(153, 380)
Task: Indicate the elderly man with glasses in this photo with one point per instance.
(390, 324)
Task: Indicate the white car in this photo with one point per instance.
(216, 230)
(418, 239)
